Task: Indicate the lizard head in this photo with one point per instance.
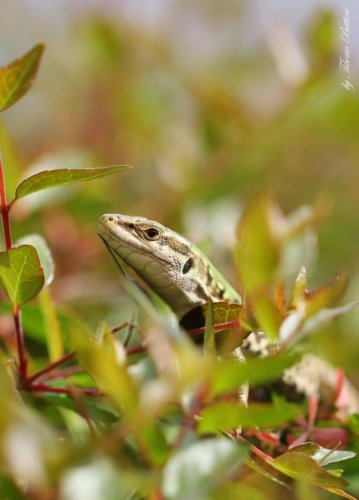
(144, 243)
(172, 266)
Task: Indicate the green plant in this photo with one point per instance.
(162, 420)
(26, 268)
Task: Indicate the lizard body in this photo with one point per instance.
(185, 279)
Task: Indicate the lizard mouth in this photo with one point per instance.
(127, 271)
(112, 230)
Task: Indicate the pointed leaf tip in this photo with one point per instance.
(17, 77)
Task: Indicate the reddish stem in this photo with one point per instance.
(216, 327)
(65, 390)
(51, 366)
(67, 372)
(135, 350)
(264, 456)
(6, 227)
(4, 208)
(22, 357)
(191, 333)
(19, 335)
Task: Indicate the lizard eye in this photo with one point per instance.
(152, 233)
(187, 266)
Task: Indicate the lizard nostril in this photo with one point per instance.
(110, 219)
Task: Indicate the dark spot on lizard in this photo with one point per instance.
(176, 246)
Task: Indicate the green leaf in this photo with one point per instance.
(9, 396)
(208, 341)
(51, 323)
(9, 490)
(223, 312)
(109, 374)
(340, 493)
(229, 374)
(257, 250)
(315, 300)
(265, 472)
(354, 422)
(304, 468)
(52, 326)
(299, 287)
(33, 323)
(268, 317)
(230, 415)
(197, 468)
(44, 254)
(17, 77)
(323, 456)
(21, 273)
(60, 177)
(154, 442)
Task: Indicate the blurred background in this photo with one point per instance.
(212, 103)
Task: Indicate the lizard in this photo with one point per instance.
(184, 278)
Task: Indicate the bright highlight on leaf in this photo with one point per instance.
(17, 77)
(61, 177)
(21, 273)
(199, 466)
(44, 254)
(323, 456)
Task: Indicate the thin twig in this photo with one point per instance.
(119, 327)
(136, 350)
(4, 208)
(66, 390)
(66, 372)
(216, 327)
(20, 343)
(51, 366)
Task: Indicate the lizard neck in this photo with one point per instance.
(183, 294)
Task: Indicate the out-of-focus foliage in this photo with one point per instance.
(210, 115)
(17, 77)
